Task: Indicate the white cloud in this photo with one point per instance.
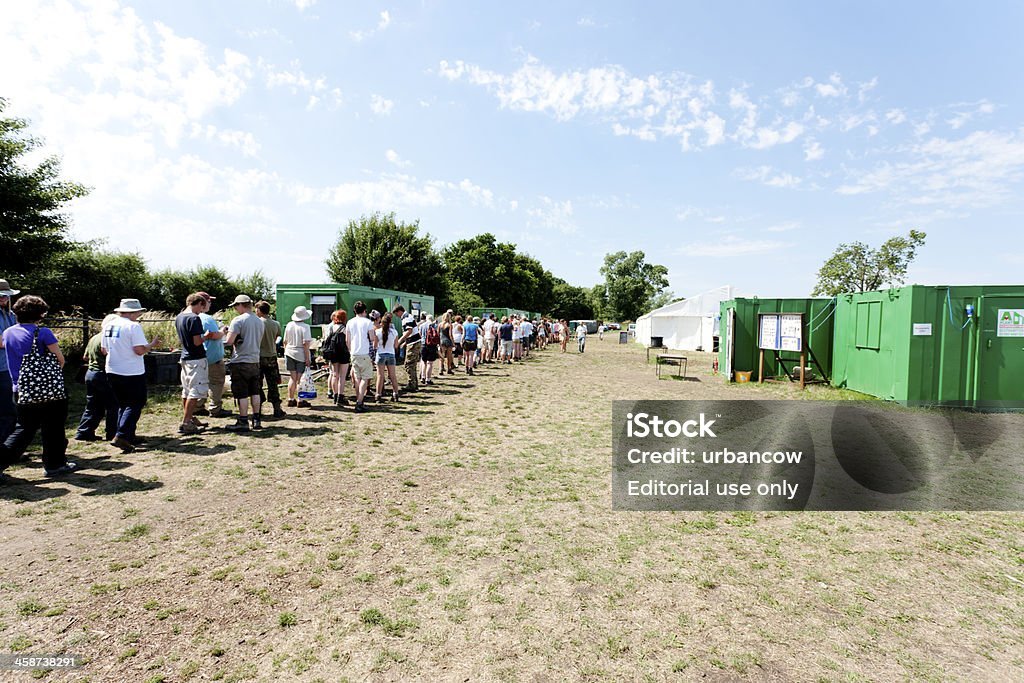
(240, 140)
(833, 88)
(294, 79)
(380, 105)
(766, 175)
(729, 245)
(895, 116)
(813, 151)
(783, 227)
(978, 170)
(303, 5)
(392, 156)
(964, 116)
(553, 215)
(382, 24)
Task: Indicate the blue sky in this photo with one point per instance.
(733, 143)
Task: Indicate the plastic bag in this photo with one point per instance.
(307, 390)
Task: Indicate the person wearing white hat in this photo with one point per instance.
(297, 341)
(125, 344)
(8, 411)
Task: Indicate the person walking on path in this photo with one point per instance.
(245, 333)
(125, 344)
(195, 376)
(214, 345)
(269, 370)
(47, 414)
(297, 341)
(505, 331)
(8, 411)
(334, 349)
(564, 326)
(100, 404)
(581, 335)
(357, 334)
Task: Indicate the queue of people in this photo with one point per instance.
(368, 348)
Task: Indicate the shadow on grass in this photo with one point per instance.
(100, 484)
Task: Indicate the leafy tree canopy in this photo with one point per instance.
(498, 274)
(379, 251)
(630, 284)
(856, 267)
(33, 229)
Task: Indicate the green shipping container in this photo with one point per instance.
(960, 346)
(324, 299)
(738, 349)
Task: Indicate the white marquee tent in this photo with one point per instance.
(688, 325)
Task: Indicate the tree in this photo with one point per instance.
(630, 283)
(856, 267)
(497, 274)
(597, 297)
(663, 299)
(33, 231)
(92, 280)
(378, 251)
(571, 303)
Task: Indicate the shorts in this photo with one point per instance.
(506, 347)
(385, 359)
(429, 354)
(447, 343)
(469, 345)
(362, 368)
(245, 380)
(195, 378)
(292, 365)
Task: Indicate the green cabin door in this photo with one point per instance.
(1001, 371)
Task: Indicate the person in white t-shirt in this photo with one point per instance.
(357, 334)
(124, 344)
(488, 341)
(581, 335)
(297, 340)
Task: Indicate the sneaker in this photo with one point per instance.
(241, 425)
(223, 412)
(125, 445)
(257, 422)
(199, 423)
(305, 404)
(202, 412)
(278, 413)
(188, 428)
(292, 403)
(65, 469)
(394, 397)
(87, 436)
(360, 408)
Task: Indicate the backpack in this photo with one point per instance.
(433, 337)
(332, 345)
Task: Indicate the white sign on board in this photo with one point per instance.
(922, 329)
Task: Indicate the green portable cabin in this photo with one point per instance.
(738, 348)
(324, 299)
(958, 346)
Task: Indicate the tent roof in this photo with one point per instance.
(699, 305)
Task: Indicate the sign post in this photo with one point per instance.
(779, 332)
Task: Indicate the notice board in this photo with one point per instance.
(780, 331)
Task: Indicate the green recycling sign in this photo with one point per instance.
(1010, 322)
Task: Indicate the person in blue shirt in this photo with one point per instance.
(213, 342)
(8, 413)
(470, 340)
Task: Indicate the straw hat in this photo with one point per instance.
(130, 306)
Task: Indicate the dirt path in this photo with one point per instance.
(466, 534)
